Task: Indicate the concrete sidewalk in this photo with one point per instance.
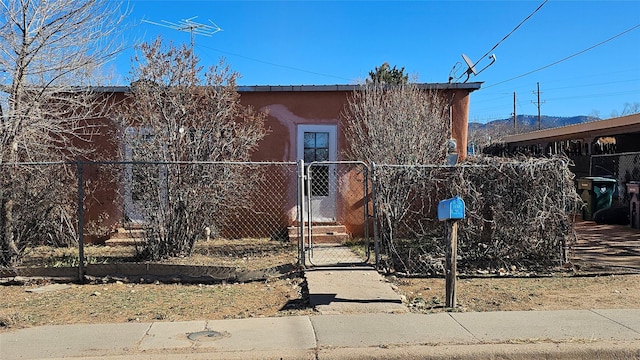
(351, 290)
(339, 283)
(515, 335)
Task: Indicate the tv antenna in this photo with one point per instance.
(190, 26)
(471, 68)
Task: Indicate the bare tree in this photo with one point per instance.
(176, 114)
(630, 108)
(49, 53)
(402, 124)
(396, 125)
(627, 109)
(490, 134)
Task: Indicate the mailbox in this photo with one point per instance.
(451, 209)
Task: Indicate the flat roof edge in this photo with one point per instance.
(310, 88)
(563, 131)
(303, 88)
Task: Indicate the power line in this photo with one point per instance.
(596, 84)
(506, 104)
(493, 97)
(472, 68)
(274, 64)
(566, 58)
(632, 92)
(512, 31)
(592, 75)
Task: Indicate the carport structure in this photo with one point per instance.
(581, 141)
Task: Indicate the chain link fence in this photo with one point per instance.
(225, 215)
(623, 167)
(237, 212)
(37, 207)
(246, 215)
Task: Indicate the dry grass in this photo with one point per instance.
(243, 254)
(128, 302)
(559, 292)
(121, 302)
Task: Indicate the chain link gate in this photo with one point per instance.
(334, 217)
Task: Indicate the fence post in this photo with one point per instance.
(564, 253)
(301, 255)
(366, 212)
(451, 266)
(79, 171)
(308, 191)
(376, 234)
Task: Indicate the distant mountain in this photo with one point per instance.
(526, 123)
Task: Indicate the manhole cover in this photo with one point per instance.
(207, 334)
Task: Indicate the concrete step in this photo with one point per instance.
(125, 242)
(327, 229)
(128, 235)
(122, 233)
(324, 233)
(329, 239)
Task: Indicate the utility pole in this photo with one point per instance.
(538, 103)
(515, 130)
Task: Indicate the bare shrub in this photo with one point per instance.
(42, 207)
(519, 211)
(174, 118)
(402, 124)
(517, 214)
(396, 125)
(51, 53)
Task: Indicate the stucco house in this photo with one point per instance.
(296, 113)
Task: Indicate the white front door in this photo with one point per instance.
(317, 143)
(145, 184)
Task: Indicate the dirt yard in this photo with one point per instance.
(48, 304)
(557, 292)
(41, 303)
(121, 302)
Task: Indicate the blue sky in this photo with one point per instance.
(339, 42)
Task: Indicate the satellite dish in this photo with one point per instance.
(471, 69)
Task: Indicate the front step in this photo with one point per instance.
(325, 233)
(129, 235)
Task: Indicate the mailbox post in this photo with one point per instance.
(451, 210)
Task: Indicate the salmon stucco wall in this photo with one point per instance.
(286, 112)
(103, 210)
(287, 109)
(460, 123)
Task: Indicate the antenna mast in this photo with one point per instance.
(190, 26)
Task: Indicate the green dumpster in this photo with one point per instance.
(596, 193)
